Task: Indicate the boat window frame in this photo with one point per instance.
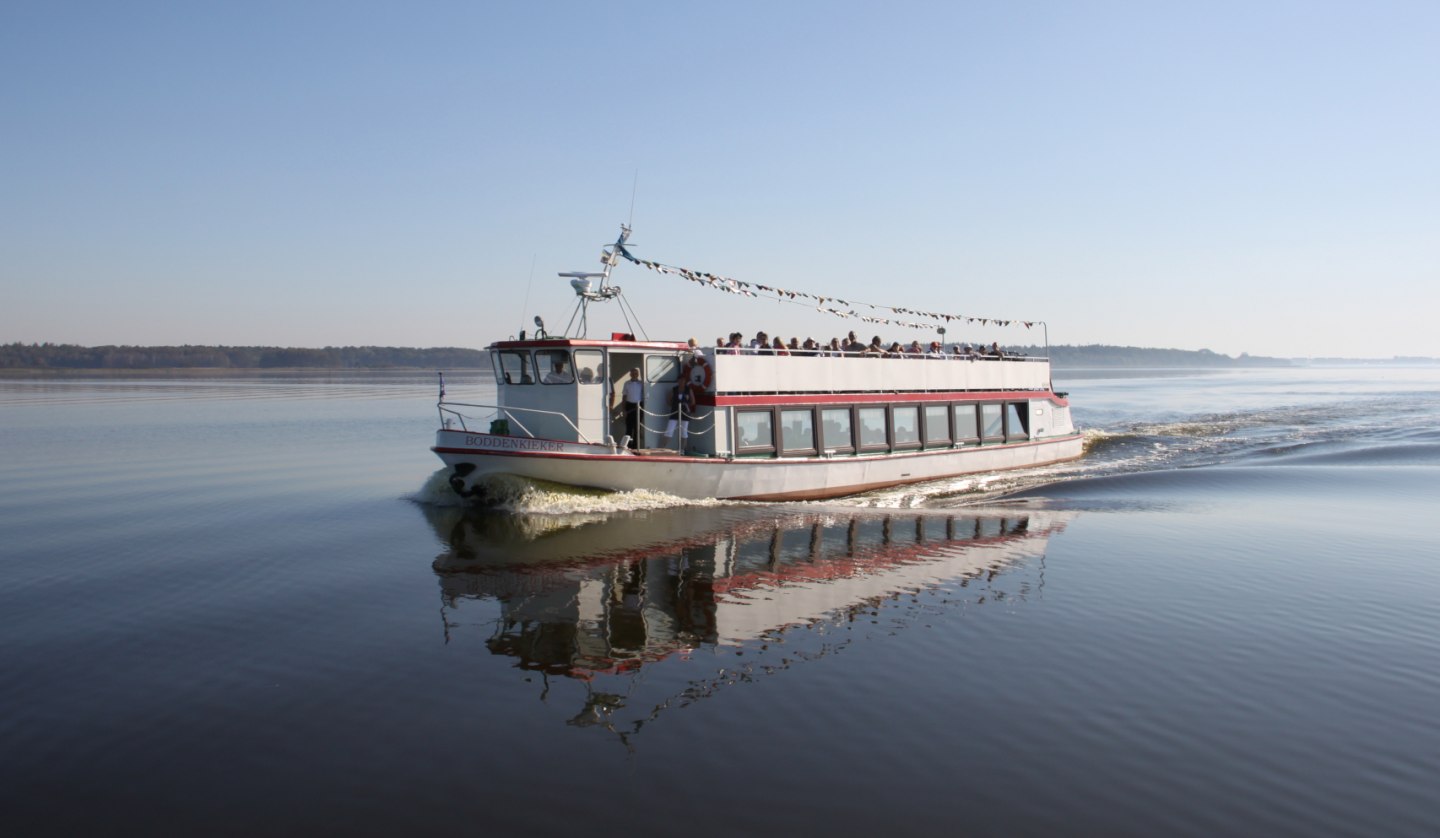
(503, 376)
(743, 450)
(1021, 419)
(867, 447)
(550, 355)
(895, 443)
(597, 371)
(661, 369)
(925, 422)
(988, 437)
(974, 410)
(849, 411)
(807, 451)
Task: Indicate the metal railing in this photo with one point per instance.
(508, 412)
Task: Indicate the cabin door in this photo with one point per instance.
(617, 373)
(592, 396)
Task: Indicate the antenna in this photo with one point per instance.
(528, 283)
(634, 187)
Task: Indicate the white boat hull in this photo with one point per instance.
(474, 456)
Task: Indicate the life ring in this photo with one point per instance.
(698, 362)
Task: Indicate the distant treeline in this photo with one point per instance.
(69, 356)
(1100, 355)
(61, 356)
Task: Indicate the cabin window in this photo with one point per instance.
(590, 366)
(992, 422)
(754, 431)
(967, 425)
(797, 431)
(905, 421)
(937, 424)
(515, 368)
(1017, 420)
(836, 429)
(554, 366)
(873, 434)
(661, 369)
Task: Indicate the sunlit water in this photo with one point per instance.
(246, 605)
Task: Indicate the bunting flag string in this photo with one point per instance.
(845, 309)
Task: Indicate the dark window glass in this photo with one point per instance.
(937, 424)
(967, 426)
(754, 429)
(797, 430)
(907, 425)
(992, 421)
(835, 425)
(515, 368)
(554, 366)
(872, 427)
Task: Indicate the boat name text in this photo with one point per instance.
(515, 443)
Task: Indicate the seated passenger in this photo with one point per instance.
(558, 374)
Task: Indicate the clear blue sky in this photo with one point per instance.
(1255, 176)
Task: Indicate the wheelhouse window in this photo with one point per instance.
(755, 431)
(590, 366)
(873, 432)
(797, 431)
(967, 425)
(905, 423)
(1017, 420)
(554, 366)
(937, 424)
(992, 422)
(661, 369)
(514, 367)
(836, 429)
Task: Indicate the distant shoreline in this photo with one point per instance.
(19, 360)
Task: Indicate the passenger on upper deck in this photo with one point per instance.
(779, 346)
(853, 344)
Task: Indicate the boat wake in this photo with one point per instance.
(529, 496)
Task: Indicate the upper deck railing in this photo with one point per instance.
(769, 372)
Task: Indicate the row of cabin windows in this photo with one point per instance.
(875, 428)
(556, 366)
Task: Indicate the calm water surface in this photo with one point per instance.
(245, 605)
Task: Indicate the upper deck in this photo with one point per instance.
(769, 373)
(766, 371)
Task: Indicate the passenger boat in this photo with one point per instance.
(766, 425)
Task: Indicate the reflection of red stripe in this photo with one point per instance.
(886, 398)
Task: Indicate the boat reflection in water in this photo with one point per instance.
(580, 596)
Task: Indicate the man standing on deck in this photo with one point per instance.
(633, 394)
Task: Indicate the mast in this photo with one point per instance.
(582, 282)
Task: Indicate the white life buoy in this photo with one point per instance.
(698, 370)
